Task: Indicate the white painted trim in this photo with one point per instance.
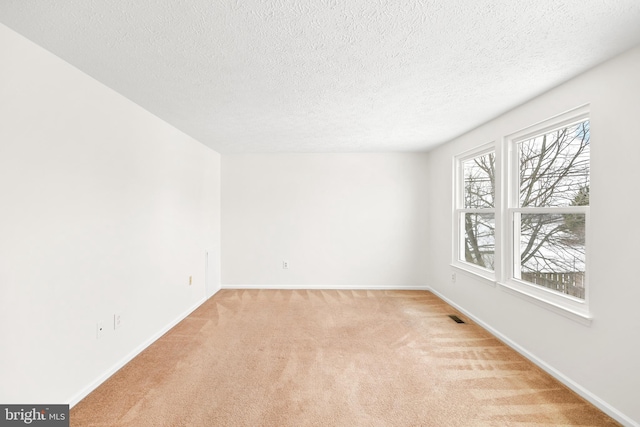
(331, 287)
(577, 310)
(567, 118)
(569, 307)
(477, 151)
(458, 208)
(108, 373)
(580, 390)
(486, 276)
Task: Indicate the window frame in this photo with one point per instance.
(506, 207)
(460, 210)
(567, 304)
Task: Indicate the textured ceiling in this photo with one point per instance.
(328, 75)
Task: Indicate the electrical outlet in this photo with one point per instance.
(99, 330)
(453, 277)
(117, 320)
(285, 265)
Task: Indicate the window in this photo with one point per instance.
(548, 208)
(533, 239)
(475, 213)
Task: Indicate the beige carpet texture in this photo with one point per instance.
(331, 358)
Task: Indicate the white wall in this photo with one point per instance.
(104, 209)
(602, 360)
(340, 220)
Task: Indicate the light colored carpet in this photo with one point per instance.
(331, 358)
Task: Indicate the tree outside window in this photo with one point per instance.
(550, 204)
(478, 216)
(551, 216)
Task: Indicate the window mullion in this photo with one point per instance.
(516, 264)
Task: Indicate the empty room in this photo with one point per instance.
(319, 213)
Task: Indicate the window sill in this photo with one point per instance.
(576, 313)
(485, 276)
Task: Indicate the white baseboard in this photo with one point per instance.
(331, 287)
(583, 392)
(102, 378)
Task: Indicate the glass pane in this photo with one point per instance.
(552, 251)
(479, 239)
(479, 181)
(554, 168)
